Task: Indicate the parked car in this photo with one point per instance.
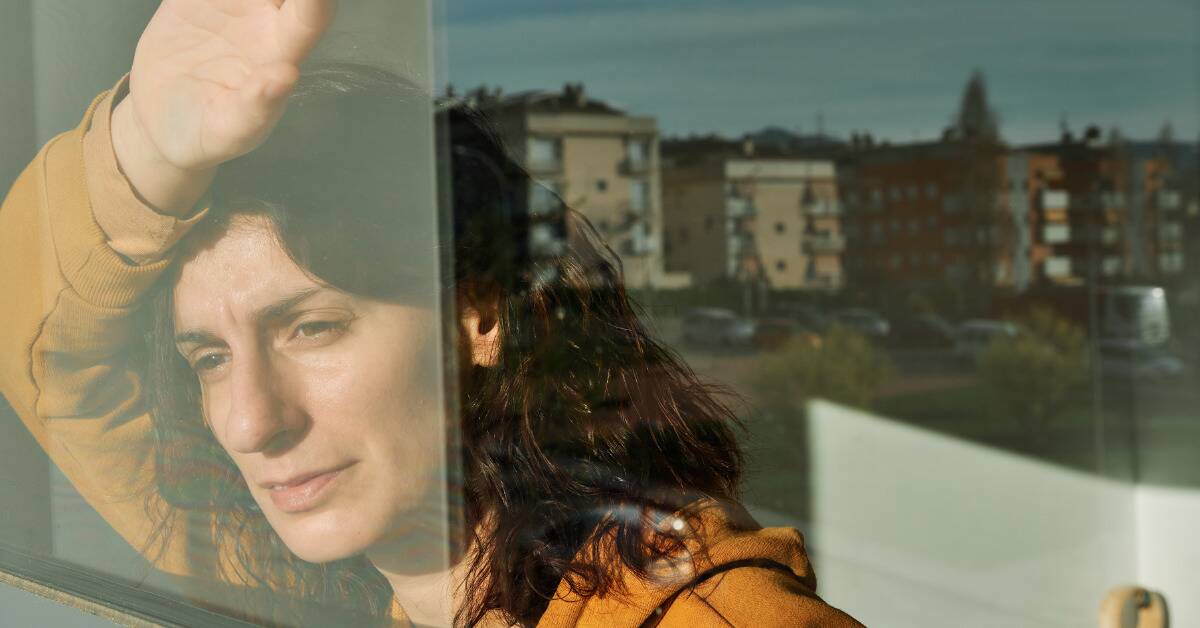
(864, 321)
(924, 331)
(1136, 360)
(808, 317)
(976, 335)
(717, 327)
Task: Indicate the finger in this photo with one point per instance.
(301, 25)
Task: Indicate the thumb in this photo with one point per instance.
(271, 83)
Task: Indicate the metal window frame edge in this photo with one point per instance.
(102, 595)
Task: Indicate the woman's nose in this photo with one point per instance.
(261, 418)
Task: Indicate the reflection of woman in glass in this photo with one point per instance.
(289, 417)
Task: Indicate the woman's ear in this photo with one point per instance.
(480, 328)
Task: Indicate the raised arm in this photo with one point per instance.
(82, 235)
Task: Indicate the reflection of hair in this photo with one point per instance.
(584, 418)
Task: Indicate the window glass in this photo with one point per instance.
(1012, 199)
(366, 314)
(185, 465)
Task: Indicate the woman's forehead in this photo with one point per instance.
(241, 269)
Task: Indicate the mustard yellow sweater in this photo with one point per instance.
(75, 262)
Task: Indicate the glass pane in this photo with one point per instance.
(940, 252)
(226, 338)
(466, 313)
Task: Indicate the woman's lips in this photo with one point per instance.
(306, 494)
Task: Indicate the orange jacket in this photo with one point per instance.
(65, 330)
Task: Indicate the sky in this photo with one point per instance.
(894, 68)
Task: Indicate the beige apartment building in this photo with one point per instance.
(602, 161)
(766, 220)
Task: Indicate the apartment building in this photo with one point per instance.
(916, 215)
(730, 214)
(1118, 212)
(602, 161)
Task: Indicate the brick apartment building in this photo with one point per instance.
(1121, 214)
(602, 161)
(1041, 215)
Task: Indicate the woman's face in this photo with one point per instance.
(327, 402)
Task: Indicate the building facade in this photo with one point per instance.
(600, 160)
(773, 221)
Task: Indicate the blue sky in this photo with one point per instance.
(895, 68)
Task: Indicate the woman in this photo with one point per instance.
(281, 424)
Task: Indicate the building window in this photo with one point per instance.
(545, 153)
(914, 226)
(601, 185)
(709, 221)
(543, 197)
(781, 265)
(637, 154)
(779, 227)
(913, 192)
(639, 196)
(931, 191)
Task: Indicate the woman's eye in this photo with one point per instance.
(208, 362)
(318, 329)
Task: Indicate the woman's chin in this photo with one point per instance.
(322, 537)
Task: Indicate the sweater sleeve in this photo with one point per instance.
(69, 337)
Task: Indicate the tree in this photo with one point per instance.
(975, 140)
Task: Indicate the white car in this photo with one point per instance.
(1134, 360)
(717, 326)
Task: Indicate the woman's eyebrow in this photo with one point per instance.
(271, 313)
(282, 307)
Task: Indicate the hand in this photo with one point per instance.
(210, 80)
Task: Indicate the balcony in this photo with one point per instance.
(1055, 199)
(1170, 232)
(1168, 199)
(823, 208)
(634, 167)
(737, 207)
(1056, 233)
(824, 244)
(1058, 267)
(1110, 235)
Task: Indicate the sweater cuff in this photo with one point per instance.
(92, 268)
(133, 228)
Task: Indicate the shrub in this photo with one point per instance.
(1034, 375)
(841, 366)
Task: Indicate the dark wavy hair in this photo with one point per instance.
(572, 446)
